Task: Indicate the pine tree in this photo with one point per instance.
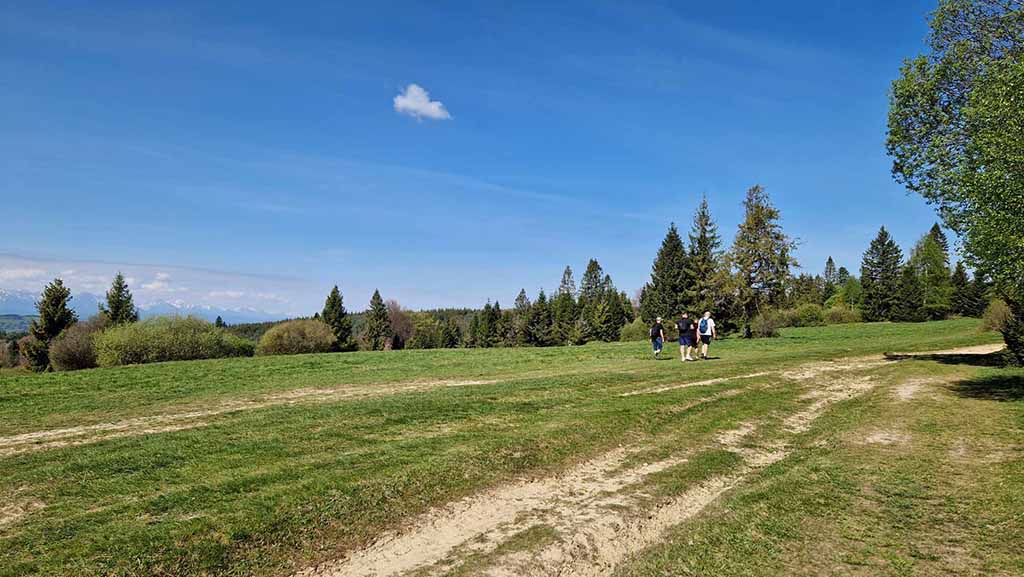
(219, 322)
(568, 285)
(539, 327)
(564, 311)
(831, 280)
(120, 309)
(473, 332)
(880, 277)
(761, 256)
(335, 316)
(521, 319)
(378, 333)
(980, 294)
(910, 297)
(962, 297)
(451, 336)
(842, 276)
(628, 314)
(931, 263)
(704, 258)
(592, 285)
(666, 292)
(940, 237)
(54, 313)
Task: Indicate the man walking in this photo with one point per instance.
(687, 336)
(706, 331)
(657, 337)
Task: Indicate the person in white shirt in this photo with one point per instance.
(706, 330)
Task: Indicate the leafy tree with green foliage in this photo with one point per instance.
(120, 309)
(761, 256)
(335, 316)
(910, 302)
(704, 287)
(956, 136)
(219, 322)
(880, 277)
(377, 333)
(666, 291)
(931, 263)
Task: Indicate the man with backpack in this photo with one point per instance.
(657, 337)
(687, 336)
(706, 331)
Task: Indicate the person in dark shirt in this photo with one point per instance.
(687, 336)
(657, 337)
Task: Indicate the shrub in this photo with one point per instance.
(842, 315)
(635, 331)
(74, 348)
(297, 337)
(9, 354)
(996, 316)
(808, 315)
(167, 339)
(767, 324)
(33, 354)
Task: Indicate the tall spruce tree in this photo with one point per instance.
(704, 287)
(939, 235)
(761, 256)
(842, 276)
(831, 279)
(377, 333)
(666, 291)
(592, 285)
(451, 336)
(910, 304)
(931, 263)
(880, 278)
(219, 322)
(539, 327)
(120, 309)
(564, 310)
(521, 319)
(962, 291)
(336, 317)
(55, 314)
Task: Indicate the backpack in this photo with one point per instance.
(703, 326)
(654, 333)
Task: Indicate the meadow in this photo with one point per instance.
(829, 450)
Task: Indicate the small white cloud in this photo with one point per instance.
(163, 276)
(415, 101)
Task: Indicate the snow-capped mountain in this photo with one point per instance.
(14, 302)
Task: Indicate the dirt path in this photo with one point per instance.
(596, 508)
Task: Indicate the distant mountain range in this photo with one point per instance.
(86, 304)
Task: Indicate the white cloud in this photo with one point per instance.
(415, 101)
(162, 283)
(226, 294)
(13, 274)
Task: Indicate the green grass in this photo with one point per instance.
(265, 491)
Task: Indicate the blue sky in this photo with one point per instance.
(255, 155)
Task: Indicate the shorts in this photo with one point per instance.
(656, 343)
(686, 341)
(706, 339)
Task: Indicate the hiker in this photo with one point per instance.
(687, 336)
(657, 336)
(706, 330)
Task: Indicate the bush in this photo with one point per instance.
(635, 331)
(767, 324)
(167, 339)
(842, 315)
(33, 354)
(74, 348)
(808, 315)
(997, 315)
(297, 337)
(9, 354)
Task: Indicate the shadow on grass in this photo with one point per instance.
(992, 388)
(990, 360)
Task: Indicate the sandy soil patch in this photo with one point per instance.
(886, 438)
(12, 512)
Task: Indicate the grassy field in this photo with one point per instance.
(780, 457)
